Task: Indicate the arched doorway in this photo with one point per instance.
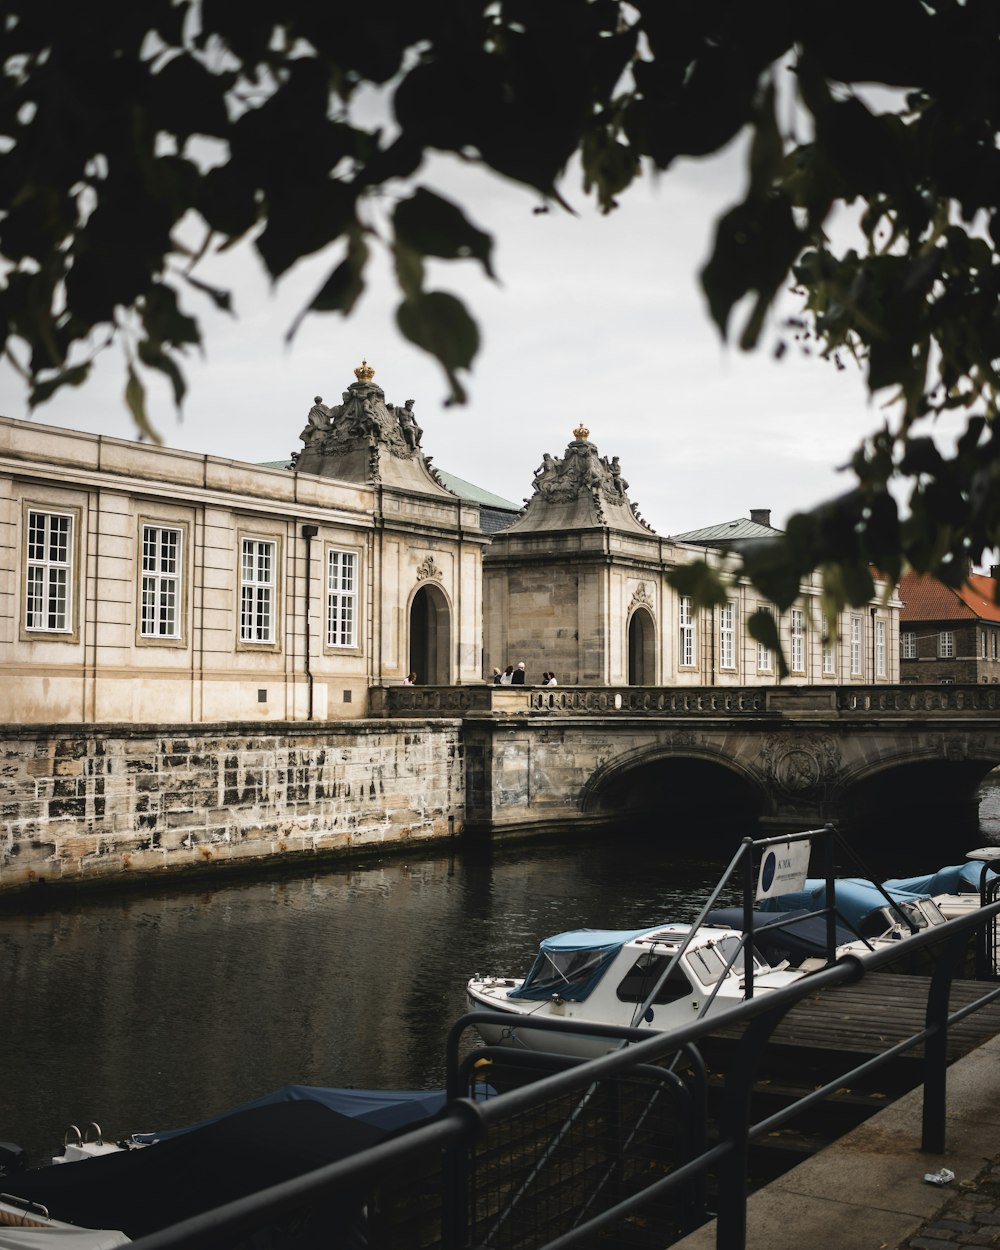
(641, 649)
(430, 637)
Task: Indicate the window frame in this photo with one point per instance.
(179, 638)
(881, 648)
(797, 641)
(829, 660)
(273, 643)
(352, 595)
(727, 635)
(857, 641)
(946, 644)
(70, 630)
(907, 644)
(686, 636)
(765, 656)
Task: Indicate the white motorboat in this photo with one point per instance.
(657, 979)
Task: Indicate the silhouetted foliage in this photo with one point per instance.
(120, 121)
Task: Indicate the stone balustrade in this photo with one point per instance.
(502, 701)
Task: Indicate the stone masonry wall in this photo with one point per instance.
(88, 802)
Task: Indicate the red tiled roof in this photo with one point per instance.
(926, 599)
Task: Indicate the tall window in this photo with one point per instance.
(727, 635)
(798, 641)
(946, 644)
(829, 658)
(855, 646)
(993, 636)
(161, 583)
(982, 643)
(908, 645)
(49, 572)
(880, 648)
(764, 660)
(342, 599)
(686, 633)
(257, 587)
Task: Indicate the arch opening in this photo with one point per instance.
(430, 637)
(680, 797)
(641, 649)
(928, 809)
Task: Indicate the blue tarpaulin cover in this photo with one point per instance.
(384, 1108)
(855, 898)
(955, 879)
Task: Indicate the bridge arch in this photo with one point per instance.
(915, 792)
(694, 786)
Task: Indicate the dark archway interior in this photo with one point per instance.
(697, 797)
(430, 632)
(641, 649)
(928, 808)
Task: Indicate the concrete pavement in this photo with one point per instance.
(867, 1192)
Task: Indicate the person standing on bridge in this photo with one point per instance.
(518, 677)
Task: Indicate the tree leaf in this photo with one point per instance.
(135, 398)
(440, 324)
(434, 226)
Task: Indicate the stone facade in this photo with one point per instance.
(577, 585)
(84, 805)
(143, 585)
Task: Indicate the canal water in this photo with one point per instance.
(151, 1011)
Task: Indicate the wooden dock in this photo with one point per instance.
(877, 1013)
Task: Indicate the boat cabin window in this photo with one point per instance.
(635, 986)
(708, 963)
(932, 912)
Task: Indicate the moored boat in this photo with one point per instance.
(656, 979)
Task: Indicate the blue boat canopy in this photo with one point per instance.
(571, 964)
(855, 899)
(955, 879)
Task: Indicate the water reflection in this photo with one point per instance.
(151, 1011)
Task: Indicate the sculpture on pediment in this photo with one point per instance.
(317, 422)
(412, 433)
(362, 419)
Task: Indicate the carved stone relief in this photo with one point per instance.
(641, 598)
(801, 764)
(428, 569)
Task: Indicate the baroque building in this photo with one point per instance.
(577, 586)
(144, 585)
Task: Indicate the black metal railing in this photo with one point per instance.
(480, 1203)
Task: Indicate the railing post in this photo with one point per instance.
(932, 1138)
(734, 1127)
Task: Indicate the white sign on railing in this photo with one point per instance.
(783, 869)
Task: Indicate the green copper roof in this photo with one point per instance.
(458, 485)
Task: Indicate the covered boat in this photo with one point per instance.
(655, 979)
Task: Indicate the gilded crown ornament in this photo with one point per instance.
(581, 433)
(364, 372)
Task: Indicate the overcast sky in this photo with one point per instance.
(595, 319)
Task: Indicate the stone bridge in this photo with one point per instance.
(782, 757)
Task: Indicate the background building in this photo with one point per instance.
(949, 635)
(578, 585)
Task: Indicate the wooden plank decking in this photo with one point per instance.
(878, 1012)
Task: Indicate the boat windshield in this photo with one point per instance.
(571, 964)
(709, 962)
